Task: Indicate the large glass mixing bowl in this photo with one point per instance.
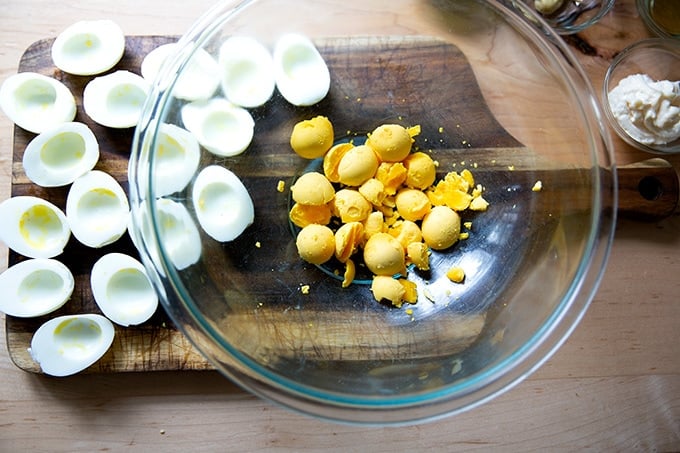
(495, 91)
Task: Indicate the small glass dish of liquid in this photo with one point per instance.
(662, 17)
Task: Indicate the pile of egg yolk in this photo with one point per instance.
(385, 197)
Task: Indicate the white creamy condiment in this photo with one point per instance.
(648, 110)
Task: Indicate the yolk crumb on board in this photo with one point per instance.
(281, 186)
(304, 289)
(537, 187)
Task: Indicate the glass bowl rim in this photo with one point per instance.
(437, 403)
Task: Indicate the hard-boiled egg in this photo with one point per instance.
(300, 71)
(221, 127)
(59, 155)
(68, 344)
(222, 203)
(88, 47)
(199, 77)
(115, 100)
(33, 227)
(35, 287)
(36, 102)
(178, 234)
(97, 209)
(175, 160)
(122, 290)
(246, 71)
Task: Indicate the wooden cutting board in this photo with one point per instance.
(155, 345)
(430, 76)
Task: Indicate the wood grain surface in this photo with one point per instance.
(613, 386)
(413, 64)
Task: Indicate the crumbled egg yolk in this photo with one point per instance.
(538, 186)
(390, 207)
(303, 215)
(456, 274)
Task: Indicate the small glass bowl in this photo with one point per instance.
(662, 17)
(660, 60)
(567, 17)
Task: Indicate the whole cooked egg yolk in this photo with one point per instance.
(315, 243)
(312, 138)
(391, 142)
(351, 206)
(421, 170)
(384, 255)
(357, 165)
(412, 204)
(312, 189)
(441, 227)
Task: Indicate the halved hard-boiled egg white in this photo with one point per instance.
(176, 159)
(246, 68)
(300, 71)
(35, 287)
(122, 290)
(199, 77)
(222, 203)
(88, 47)
(59, 155)
(97, 209)
(33, 227)
(36, 102)
(68, 344)
(177, 232)
(219, 126)
(115, 100)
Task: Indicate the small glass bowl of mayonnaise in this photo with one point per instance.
(641, 95)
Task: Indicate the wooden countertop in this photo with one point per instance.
(614, 385)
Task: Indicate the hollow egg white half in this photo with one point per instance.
(115, 100)
(66, 345)
(88, 47)
(122, 290)
(33, 227)
(301, 74)
(199, 77)
(221, 127)
(36, 102)
(176, 158)
(177, 232)
(246, 69)
(59, 155)
(97, 209)
(222, 203)
(35, 287)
